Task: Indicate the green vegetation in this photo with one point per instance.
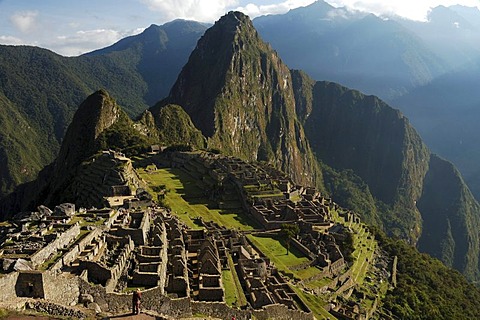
(230, 289)
(16, 137)
(275, 249)
(174, 126)
(122, 136)
(234, 295)
(289, 231)
(51, 261)
(187, 199)
(363, 245)
(315, 303)
(426, 289)
(351, 192)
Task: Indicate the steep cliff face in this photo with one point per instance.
(450, 215)
(239, 93)
(349, 130)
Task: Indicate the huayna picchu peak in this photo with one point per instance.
(251, 190)
(239, 93)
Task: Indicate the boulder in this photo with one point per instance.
(94, 306)
(8, 264)
(65, 209)
(44, 210)
(86, 298)
(22, 265)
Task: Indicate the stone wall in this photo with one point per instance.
(300, 247)
(219, 310)
(152, 299)
(62, 241)
(70, 256)
(96, 272)
(66, 290)
(138, 234)
(62, 288)
(281, 312)
(7, 285)
(223, 311)
(55, 309)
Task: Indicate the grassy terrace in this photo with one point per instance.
(234, 295)
(315, 303)
(274, 248)
(185, 196)
(365, 246)
(262, 191)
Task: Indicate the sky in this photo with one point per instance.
(72, 27)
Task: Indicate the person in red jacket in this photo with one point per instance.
(137, 296)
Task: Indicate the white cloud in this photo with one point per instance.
(411, 9)
(199, 10)
(254, 10)
(88, 40)
(24, 21)
(9, 40)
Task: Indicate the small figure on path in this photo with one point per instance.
(137, 296)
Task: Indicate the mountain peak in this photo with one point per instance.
(235, 17)
(233, 22)
(239, 93)
(210, 64)
(96, 114)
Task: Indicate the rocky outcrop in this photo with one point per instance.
(99, 123)
(95, 115)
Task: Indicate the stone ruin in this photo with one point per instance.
(110, 251)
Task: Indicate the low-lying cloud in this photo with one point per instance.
(254, 10)
(200, 10)
(411, 9)
(88, 40)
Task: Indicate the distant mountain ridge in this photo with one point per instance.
(356, 49)
(40, 90)
(157, 54)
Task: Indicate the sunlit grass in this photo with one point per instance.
(187, 200)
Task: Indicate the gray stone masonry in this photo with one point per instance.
(7, 283)
(62, 241)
